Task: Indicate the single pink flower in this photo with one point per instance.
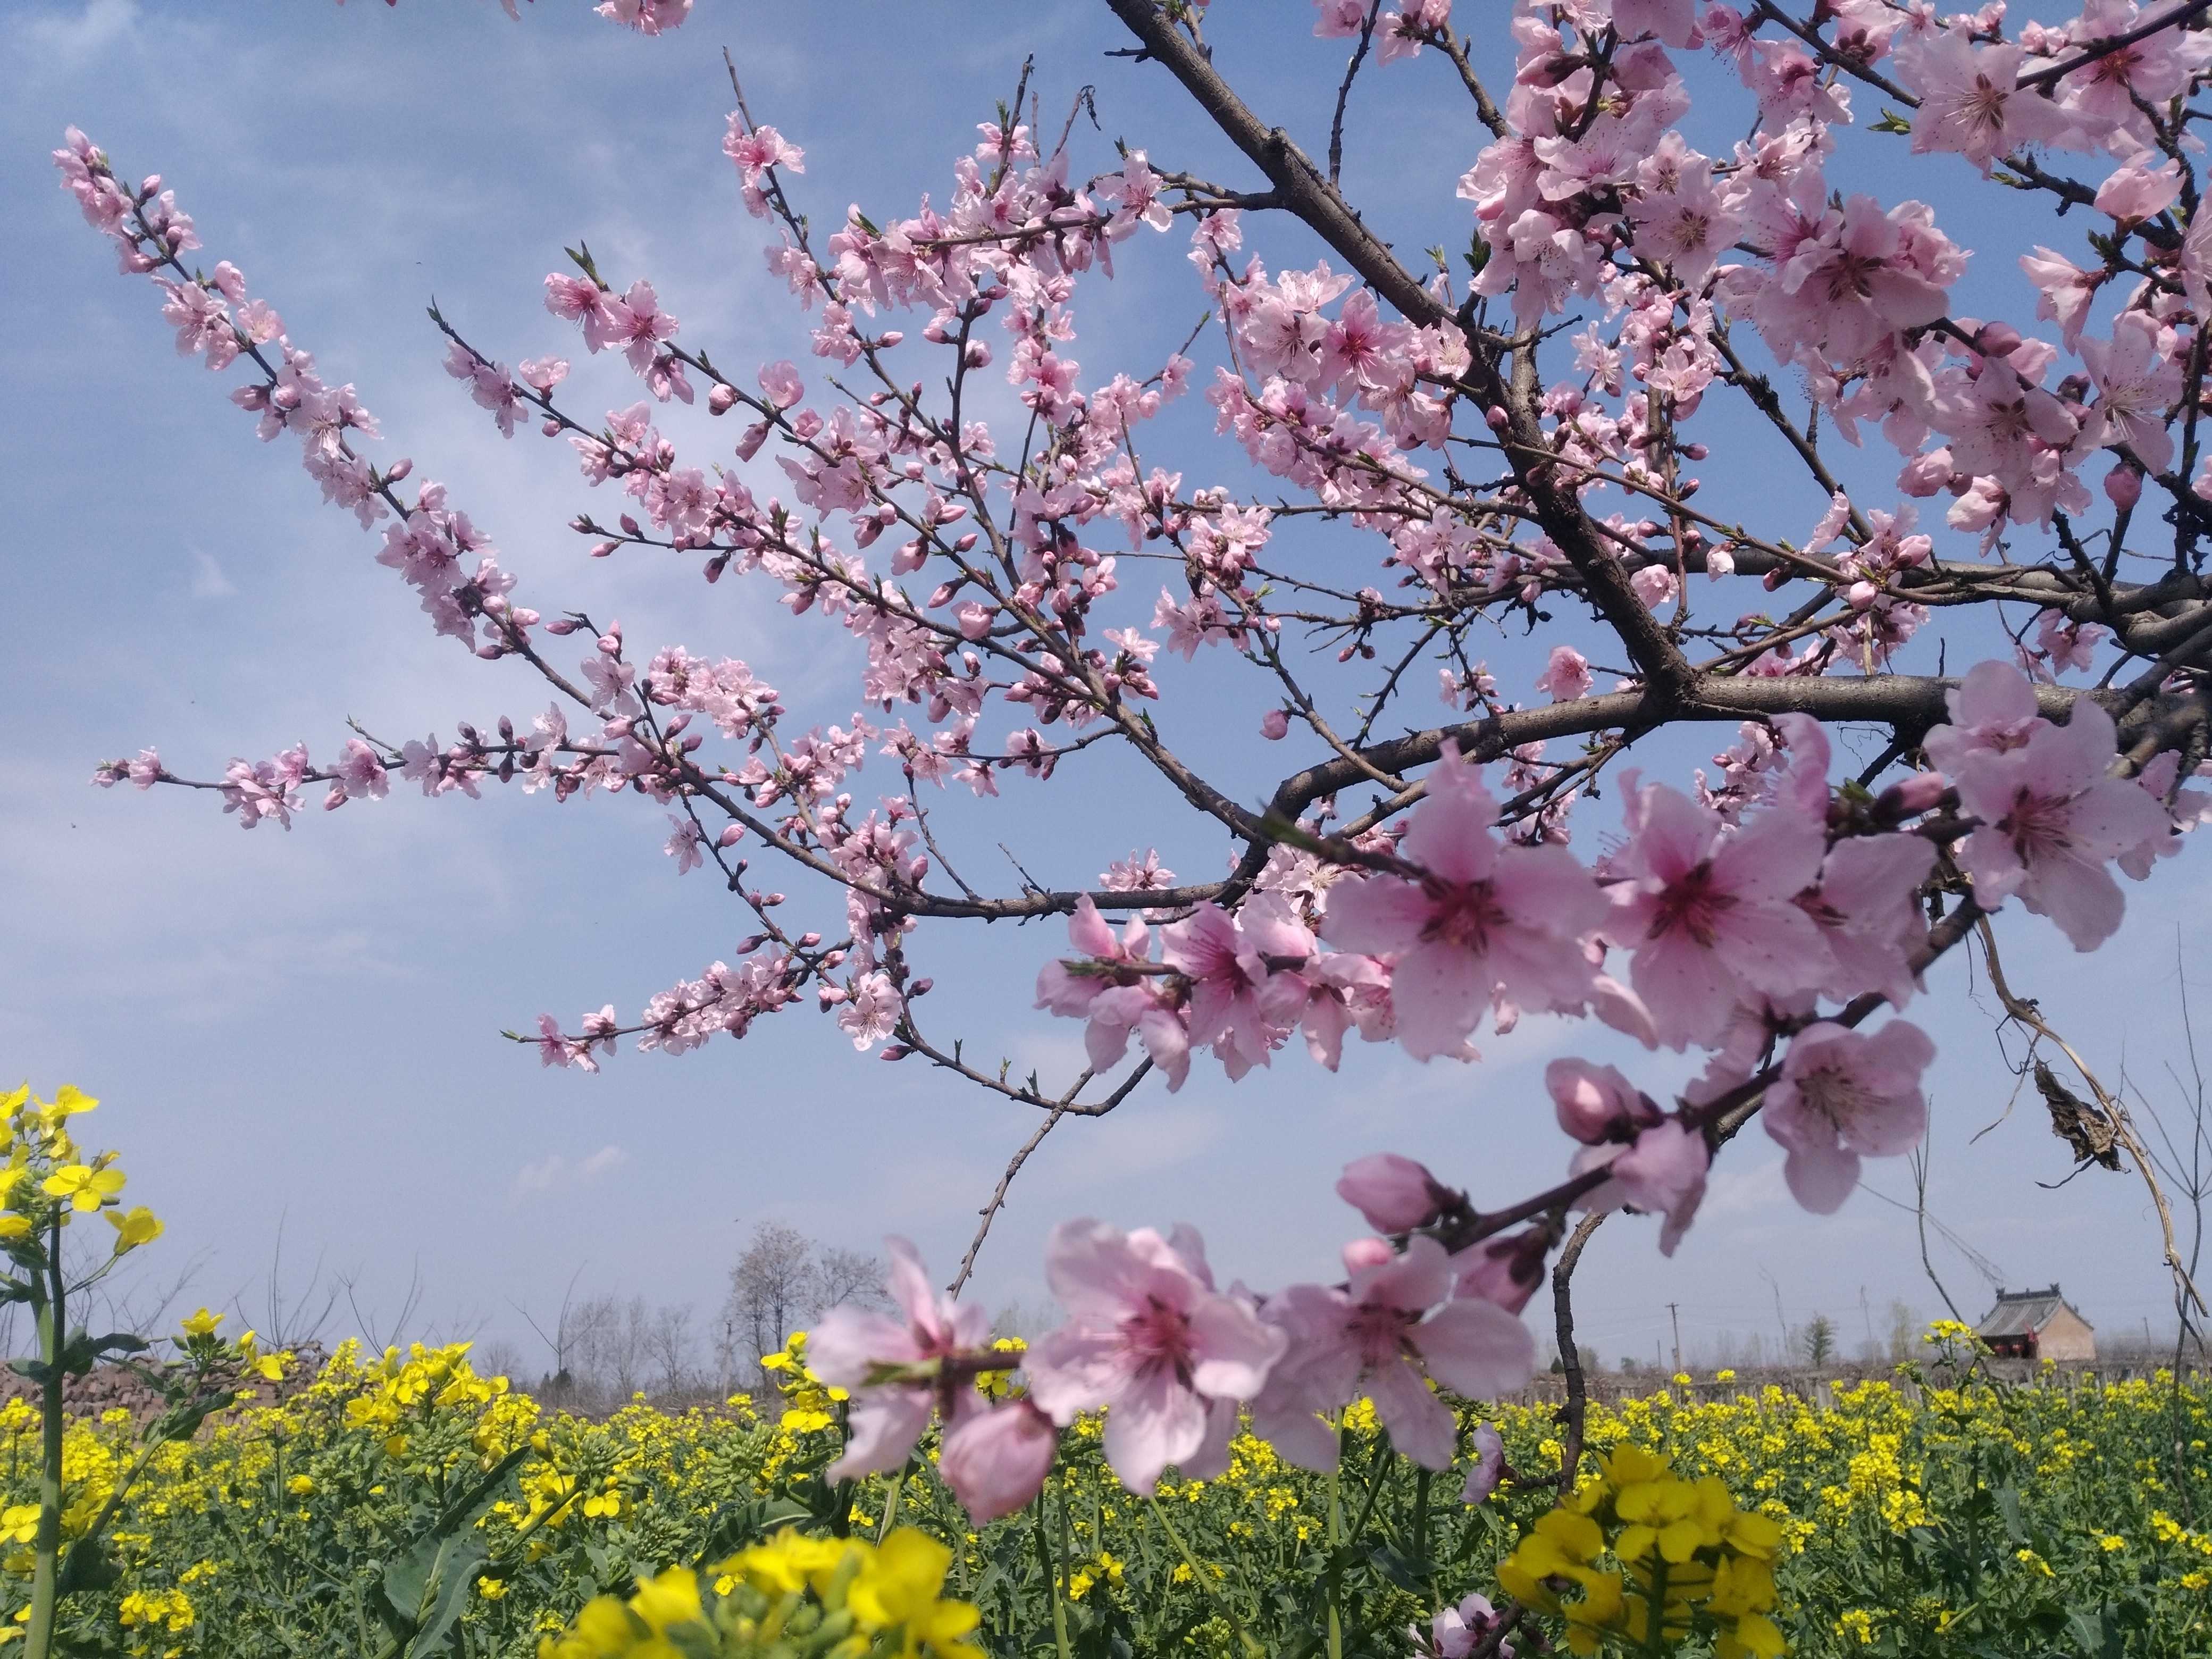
(2052, 817)
(1239, 1004)
(1148, 1338)
(1843, 1096)
(1971, 101)
(849, 1348)
(1385, 1336)
(1457, 1631)
(1567, 676)
(1484, 925)
(1712, 917)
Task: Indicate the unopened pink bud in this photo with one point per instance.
(1395, 1194)
(729, 837)
(1910, 797)
(1498, 418)
(721, 400)
(1596, 1103)
(1997, 339)
(1275, 726)
(2124, 487)
(399, 469)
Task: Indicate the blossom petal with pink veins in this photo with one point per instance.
(1821, 1177)
(1091, 1270)
(1993, 706)
(1869, 915)
(1450, 836)
(1420, 1425)
(1412, 1282)
(1236, 1348)
(910, 1288)
(1105, 1042)
(1676, 835)
(845, 1345)
(1664, 1174)
(1378, 914)
(1154, 1423)
(1547, 887)
(1072, 1370)
(1689, 993)
(1776, 856)
(2077, 893)
(881, 1428)
(1476, 1348)
(1775, 949)
(1212, 1459)
(1089, 932)
(1297, 1434)
(2116, 815)
(1438, 1002)
(1168, 1043)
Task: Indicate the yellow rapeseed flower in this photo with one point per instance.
(83, 1186)
(134, 1227)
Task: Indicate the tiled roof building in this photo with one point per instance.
(2037, 1325)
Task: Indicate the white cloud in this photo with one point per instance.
(72, 41)
(208, 580)
(556, 1173)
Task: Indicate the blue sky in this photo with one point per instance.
(303, 1028)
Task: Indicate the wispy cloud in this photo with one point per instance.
(556, 1173)
(208, 582)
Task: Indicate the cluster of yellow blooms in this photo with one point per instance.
(1681, 1551)
(791, 1596)
(44, 1177)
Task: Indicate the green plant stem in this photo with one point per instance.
(52, 1310)
(1336, 1541)
(1052, 1582)
(891, 1503)
(1200, 1575)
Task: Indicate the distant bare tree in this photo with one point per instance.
(498, 1357)
(772, 1287)
(845, 1277)
(669, 1345)
(559, 1381)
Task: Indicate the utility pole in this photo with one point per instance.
(1675, 1314)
